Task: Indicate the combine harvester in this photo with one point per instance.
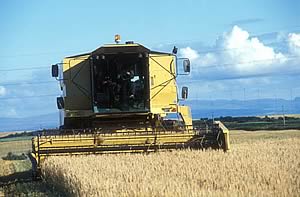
(123, 98)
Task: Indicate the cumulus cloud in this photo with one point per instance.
(294, 43)
(189, 53)
(237, 54)
(2, 91)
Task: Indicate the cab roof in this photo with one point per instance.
(120, 48)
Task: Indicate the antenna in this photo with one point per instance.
(291, 93)
(283, 116)
(244, 96)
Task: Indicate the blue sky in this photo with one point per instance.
(238, 48)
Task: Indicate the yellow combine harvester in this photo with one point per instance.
(123, 98)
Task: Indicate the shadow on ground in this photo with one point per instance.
(21, 184)
(17, 177)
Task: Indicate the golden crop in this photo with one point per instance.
(258, 167)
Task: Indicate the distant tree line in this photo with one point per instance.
(254, 123)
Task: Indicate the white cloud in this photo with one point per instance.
(238, 54)
(249, 54)
(294, 43)
(189, 53)
(2, 91)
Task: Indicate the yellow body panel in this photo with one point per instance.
(163, 88)
(225, 131)
(77, 82)
(70, 62)
(185, 112)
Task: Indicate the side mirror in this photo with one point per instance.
(55, 70)
(184, 92)
(175, 49)
(60, 102)
(186, 65)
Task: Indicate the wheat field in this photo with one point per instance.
(268, 166)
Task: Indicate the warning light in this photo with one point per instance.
(117, 38)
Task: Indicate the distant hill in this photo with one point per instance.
(200, 109)
(217, 108)
(29, 123)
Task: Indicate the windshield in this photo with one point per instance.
(120, 83)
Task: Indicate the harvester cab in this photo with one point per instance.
(118, 98)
